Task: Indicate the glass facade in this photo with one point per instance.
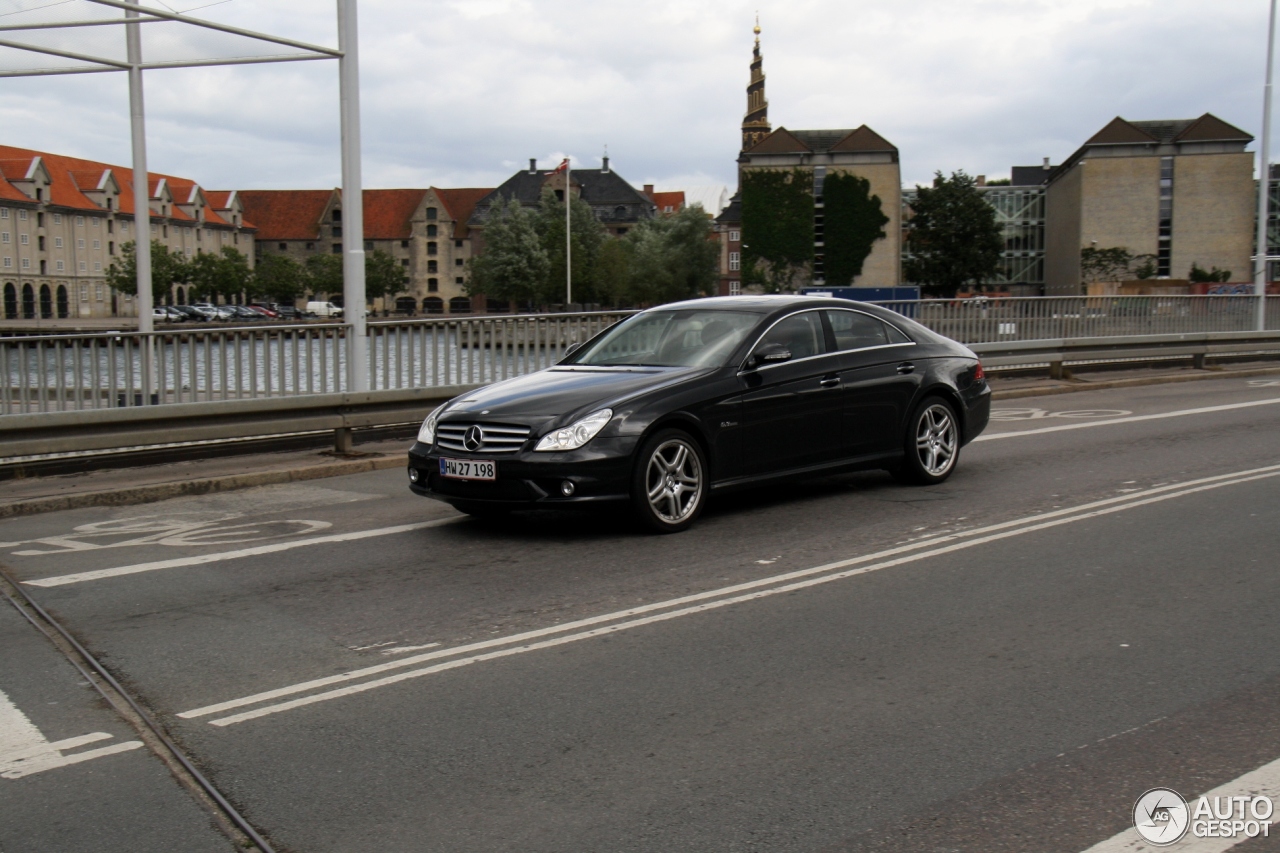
(1020, 215)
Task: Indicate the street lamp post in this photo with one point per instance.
(1264, 180)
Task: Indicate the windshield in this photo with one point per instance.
(692, 338)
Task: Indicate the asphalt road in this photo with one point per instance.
(1084, 611)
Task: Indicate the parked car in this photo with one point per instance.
(167, 314)
(682, 401)
(264, 309)
(243, 312)
(215, 312)
(324, 309)
(288, 312)
(193, 313)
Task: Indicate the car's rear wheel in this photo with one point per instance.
(931, 445)
(669, 484)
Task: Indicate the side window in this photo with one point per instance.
(857, 331)
(896, 336)
(800, 333)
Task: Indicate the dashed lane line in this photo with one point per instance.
(711, 599)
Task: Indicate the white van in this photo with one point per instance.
(324, 309)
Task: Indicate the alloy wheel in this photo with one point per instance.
(936, 440)
(674, 480)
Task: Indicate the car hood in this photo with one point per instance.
(562, 390)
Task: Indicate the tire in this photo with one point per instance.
(670, 482)
(479, 509)
(931, 445)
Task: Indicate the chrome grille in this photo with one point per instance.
(497, 438)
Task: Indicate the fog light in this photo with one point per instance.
(413, 475)
(567, 488)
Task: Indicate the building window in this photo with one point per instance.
(57, 242)
(153, 229)
(404, 244)
(79, 221)
(310, 246)
(94, 221)
(26, 263)
(284, 247)
(111, 248)
(24, 239)
(80, 243)
(735, 261)
(457, 244)
(22, 216)
(4, 237)
(84, 293)
(111, 226)
(337, 248)
(84, 267)
(432, 266)
(8, 263)
(432, 248)
(433, 284)
(337, 231)
(368, 245)
(1164, 245)
(57, 219)
(735, 236)
(97, 244)
(97, 266)
(39, 219)
(337, 215)
(97, 292)
(124, 227)
(735, 288)
(4, 213)
(164, 230)
(431, 213)
(60, 266)
(404, 262)
(431, 230)
(459, 281)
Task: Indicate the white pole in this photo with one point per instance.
(1264, 181)
(141, 199)
(353, 290)
(568, 240)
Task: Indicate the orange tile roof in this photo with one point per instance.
(70, 174)
(387, 213)
(673, 200)
(285, 214)
(460, 203)
(9, 192)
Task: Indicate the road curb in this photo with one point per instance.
(209, 485)
(201, 486)
(1131, 382)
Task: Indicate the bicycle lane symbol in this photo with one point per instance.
(171, 531)
(1037, 414)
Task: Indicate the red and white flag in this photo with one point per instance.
(564, 164)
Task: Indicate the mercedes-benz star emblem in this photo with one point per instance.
(473, 438)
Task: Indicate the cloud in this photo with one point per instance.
(454, 92)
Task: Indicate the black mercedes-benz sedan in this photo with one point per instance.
(686, 400)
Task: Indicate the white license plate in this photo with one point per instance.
(469, 469)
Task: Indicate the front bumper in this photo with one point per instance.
(600, 472)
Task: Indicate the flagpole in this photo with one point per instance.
(568, 240)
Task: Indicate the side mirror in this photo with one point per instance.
(769, 354)
(571, 349)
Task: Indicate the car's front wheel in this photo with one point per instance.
(669, 484)
(931, 444)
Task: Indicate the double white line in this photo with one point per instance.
(373, 677)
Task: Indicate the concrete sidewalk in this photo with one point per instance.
(147, 483)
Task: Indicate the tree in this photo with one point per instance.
(224, 274)
(588, 237)
(384, 276)
(167, 269)
(853, 220)
(777, 227)
(1201, 275)
(514, 263)
(952, 236)
(1110, 264)
(671, 258)
(280, 278)
(1143, 266)
(613, 274)
(324, 274)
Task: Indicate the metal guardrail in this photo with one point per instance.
(38, 434)
(58, 373)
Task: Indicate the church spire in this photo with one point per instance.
(755, 124)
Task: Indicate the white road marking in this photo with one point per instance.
(25, 751)
(993, 436)
(1265, 781)
(399, 650)
(202, 559)
(724, 596)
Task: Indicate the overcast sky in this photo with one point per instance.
(463, 92)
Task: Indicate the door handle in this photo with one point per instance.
(830, 382)
(906, 367)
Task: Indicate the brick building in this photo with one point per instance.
(425, 230)
(1180, 190)
(63, 221)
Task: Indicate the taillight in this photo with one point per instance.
(978, 373)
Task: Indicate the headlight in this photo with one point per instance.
(427, 434)
(575, 435)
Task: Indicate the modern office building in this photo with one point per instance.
(1180, 190)
(63, 221)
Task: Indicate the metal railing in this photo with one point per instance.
(44, 373)
(49, 373)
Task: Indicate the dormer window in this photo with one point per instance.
(39, 194)
(337, 215)
(431, 213)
